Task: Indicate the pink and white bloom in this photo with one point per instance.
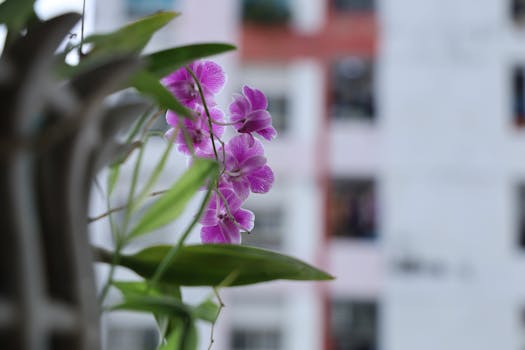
(249, 113)
(245, 166)
(224, 218)
(197, 131)
(182, 85)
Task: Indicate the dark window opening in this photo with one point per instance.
(120, 338)
(518, 11)
(266, 11)
(268, 229)
(353, 209)
(354, 5)
(137, 8)
(519, 97)
(260, 339)
(278, 108)
(521, 215)
(353, 325)
(352, 89)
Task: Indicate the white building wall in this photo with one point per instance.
(449, 163)
(293, 157)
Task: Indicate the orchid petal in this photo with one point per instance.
(245, 219)
(211, 76)
(261, 180)
(241, 188)
(212, 234)
(268, 133)
(256, 120)
(209, 217)
(253, 163)
(256, 98)
(230, 231)
(172, 118)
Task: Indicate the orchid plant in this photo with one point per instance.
(242, 164)
(181, 86)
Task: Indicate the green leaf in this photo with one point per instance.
(114, 172)
(207, 311)
(162, 63)
(158, 305)
(182, 337)
(14, 13)
(131, 38)
(141, 288)
(173, 202)
(163, 305)
(149, 85)
(210, 265)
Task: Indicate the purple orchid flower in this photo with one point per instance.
(197, 130)
(245, 166)
(210, 76)
(249, 113)
(224, 218)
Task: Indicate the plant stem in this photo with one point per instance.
(206, 110)
(80, 52)
(221, 305)
(122, 207)
(109, 281)
(173, 251)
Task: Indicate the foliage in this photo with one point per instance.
(166, 268)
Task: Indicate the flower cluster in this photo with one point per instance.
(244, 168)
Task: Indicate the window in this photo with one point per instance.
(352, 91)
(132, 338)
(354, 5)
(352, 208)
(518, 11)
(266, 11)
(353, 325)
(521, 215)
(278, 108)
(137, 8)
(519, 97)
(256, 339)
(268, 229)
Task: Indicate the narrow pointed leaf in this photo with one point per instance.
(14, 13)
(207, 311)
(162, 63)
(128, 40)
(141, 288)
(157, 305)
(114, 172)
(160, 305)
(150, 86)
(182, 337)
(173, 202)
(211, 264)
(132, 37)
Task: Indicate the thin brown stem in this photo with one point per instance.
(122, 207)
(212, 136)
(80, 52)
(221, 306)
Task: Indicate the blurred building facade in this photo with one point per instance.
(316, 61)
(451, 91)
(398, 167)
